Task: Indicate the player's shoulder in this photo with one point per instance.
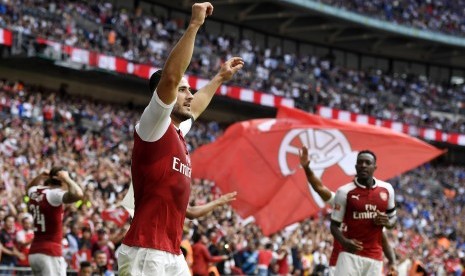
(383, 184)
(35, 189)
(346, 188)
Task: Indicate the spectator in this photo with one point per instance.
(85, 268)
(24, 239)
(202, 257)
(265, 256)
(10, 252)
(102, 267)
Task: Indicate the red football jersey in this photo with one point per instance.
(161, 175)
(46, 207)
(356, 206)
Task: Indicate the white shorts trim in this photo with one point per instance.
(354, 265)
(42, 264)
(138, 261)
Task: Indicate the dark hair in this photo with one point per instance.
(85, 264)
(367, 152)
(9, 216)
(196, 236)
(184, 251)
(98, 252)
(51, 181)
(154, 80)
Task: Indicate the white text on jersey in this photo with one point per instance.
(370, 212)
(181, 167)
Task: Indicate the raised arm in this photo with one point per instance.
(316, 183)
(155, 119)
(181, 55)
(203, 97)
(36, 181)
(74, 192)
(199, 211)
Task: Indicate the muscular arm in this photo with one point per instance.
(181, 55)
(155, 119)
(199, 211)
(203, 97)
(74, 192)
(388, 250)
(316, 183)
(36, 181)
(336, 231)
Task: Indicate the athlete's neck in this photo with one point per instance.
(367, 182)
(175, 122)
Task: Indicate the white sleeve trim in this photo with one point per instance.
(186, 126)
(330, 201)
(155, 119)
(55, 197)
(391, 197)
(31, 190)
(340, 202)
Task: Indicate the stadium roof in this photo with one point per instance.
(311, 21)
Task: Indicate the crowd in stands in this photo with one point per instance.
(93, 140)
(445, 16)
(309, 80)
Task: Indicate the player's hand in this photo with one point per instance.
(44, 174)
(352, 245)
(62, 175)
(230, 67)
(392, 271)
(381, 219)
(226, 198)
(304, 160)
(200, 11)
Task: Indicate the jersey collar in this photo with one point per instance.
(363, 186)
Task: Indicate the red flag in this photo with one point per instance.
(259, 159)
(6, 37)
(118, 215)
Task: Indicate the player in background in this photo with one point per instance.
(366, 206)
(328, 196)
(161, 167)
(48, 192)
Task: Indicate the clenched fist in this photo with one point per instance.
(200, 11)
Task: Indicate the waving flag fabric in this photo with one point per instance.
(259, 159)
(116, 214)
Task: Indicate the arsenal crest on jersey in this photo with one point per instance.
(383, 195)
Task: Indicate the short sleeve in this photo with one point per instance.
(55, 197)
(155, 119)
(330, 201)
(186, 126)
(391, 208)
(340, 202)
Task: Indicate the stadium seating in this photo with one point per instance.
(38, 121)
(309, 80)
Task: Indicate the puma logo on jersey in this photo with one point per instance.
(357, 197)
(181, 167)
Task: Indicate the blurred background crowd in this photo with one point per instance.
(310, 80)
(93, 140)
